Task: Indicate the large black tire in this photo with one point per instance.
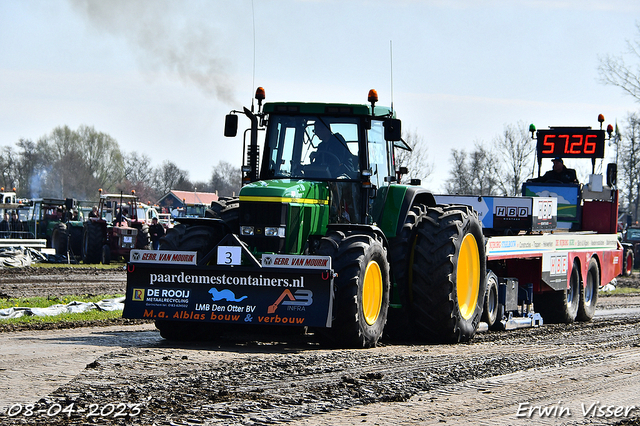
(399, 325)
(75, 240)
(361, 288)
(59, 238)
(628, 262)
(201, 239)
(448, 275)
(227, 209)
(561, 306)
(143, 238)
(491, 302)
(92, 241)
(589, 293)
(105, 256)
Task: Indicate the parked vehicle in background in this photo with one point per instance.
(191, 210)
(58, 221)
(632, 236)
(165, 220)
(117, 230)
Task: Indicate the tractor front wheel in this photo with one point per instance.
(361, 288)
(201, 239)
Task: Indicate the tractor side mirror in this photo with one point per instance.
(392, 129)
(231, 125)
(612, 174)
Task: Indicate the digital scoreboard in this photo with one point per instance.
(570, 142)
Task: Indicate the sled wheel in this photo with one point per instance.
(589, 293)
(561, 306)
(448, 275)
(490, 310)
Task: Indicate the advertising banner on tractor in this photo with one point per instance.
(273, 296)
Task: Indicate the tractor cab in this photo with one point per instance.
(322, 164)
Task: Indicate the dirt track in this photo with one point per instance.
(500, 378)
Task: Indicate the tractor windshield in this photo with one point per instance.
(312, 147)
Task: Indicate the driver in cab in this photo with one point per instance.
(558, 174)
(333, 151)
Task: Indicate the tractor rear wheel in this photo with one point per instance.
(105, 256)
(589, 293)
(59, 238)
(400, 263)
(92, 240)
(448, 275)
(201, 239)
(361, 288)
(75, 239)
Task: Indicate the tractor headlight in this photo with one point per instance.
(246, 230)
(274, 231)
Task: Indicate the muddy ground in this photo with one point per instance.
(583, 373)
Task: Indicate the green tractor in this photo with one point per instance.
(322, 221)
(60, 222)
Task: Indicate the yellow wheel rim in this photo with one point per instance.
(468, 276)
(372, 293)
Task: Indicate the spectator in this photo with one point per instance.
(156, 231)
(4, 226)
(93, 212)
(16, 226)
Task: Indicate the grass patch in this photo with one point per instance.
(620, 290)
(43, 302)
(92, 315)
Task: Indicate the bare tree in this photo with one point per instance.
(516, 150)
(629, 163)
(474, 173)
(226, 179)
(77, 163)
(8, 168)
(459, 182)
(30, 168)
(169, 176)
(416, 160)
(614, 70)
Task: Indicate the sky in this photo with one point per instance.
(159, 76)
